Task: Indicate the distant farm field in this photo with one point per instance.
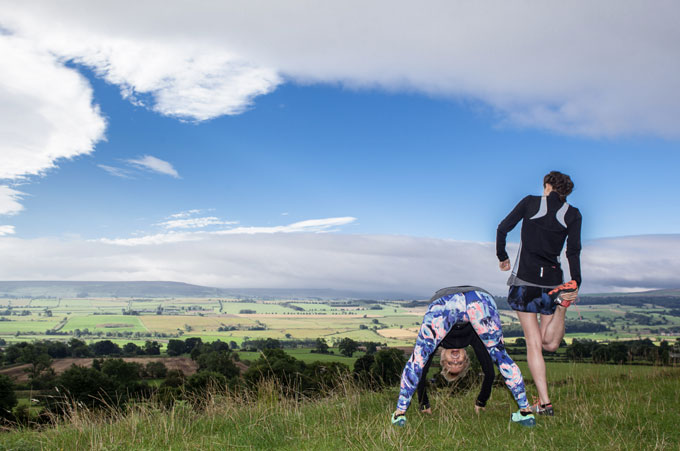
(136, 320)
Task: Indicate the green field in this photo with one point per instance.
(220, 319)
(604, 407)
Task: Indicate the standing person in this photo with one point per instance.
(536, 283)
(448, 308)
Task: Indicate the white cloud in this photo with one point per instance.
(9, 200)
(47, 115)
(194, 223)
(310, 226)
(115, 171)
(6, 230)
(154, 164)
(594, 68)
(186, 214)
(41, 123)
(370, 263)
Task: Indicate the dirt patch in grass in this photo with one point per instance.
(398, 334)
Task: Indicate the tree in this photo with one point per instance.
(174, 378)
(362, 369)
(219, 362)
(8, 399)
(58, 349)
(86, 385)
(152, 348)
(371, 347)
(192, 343)
(325, 376)
(175, 347)
(272, 343)
(321, 346)
(285, 370)
(156, 370)
(132, 349)
(36, 354)
(387, 367)
(206, 380)
(78, 348)
(122, 372)
(105, 347)
(348, 346)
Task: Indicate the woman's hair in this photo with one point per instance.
(450, 377)
(561, 183)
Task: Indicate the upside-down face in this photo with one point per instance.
(454, 360)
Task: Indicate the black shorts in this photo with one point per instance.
(524, 298)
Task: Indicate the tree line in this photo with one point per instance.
(112, 382)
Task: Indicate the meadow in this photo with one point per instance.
(597, 407)
(136, 320)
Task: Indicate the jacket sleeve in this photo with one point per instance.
(507, 225)
(487, 366)
(422, 386)
(574, 247)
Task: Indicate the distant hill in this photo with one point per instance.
(103, 289)
(673, 292)
(63, 289)
(142, 289)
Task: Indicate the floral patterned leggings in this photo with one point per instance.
(478, 308)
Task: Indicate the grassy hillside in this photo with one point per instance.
(598, 407)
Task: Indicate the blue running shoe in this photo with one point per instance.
(398, 420)
(527, 420)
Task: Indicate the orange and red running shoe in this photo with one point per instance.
(556, 293)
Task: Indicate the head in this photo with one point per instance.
(455, 364)
(559, 183)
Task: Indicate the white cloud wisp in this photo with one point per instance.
(153, 164)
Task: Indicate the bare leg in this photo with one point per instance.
(532, 334)
(552, 329)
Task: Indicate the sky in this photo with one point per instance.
(368, 147)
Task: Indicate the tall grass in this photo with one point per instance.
(616, 408)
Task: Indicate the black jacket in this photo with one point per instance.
(547, 222)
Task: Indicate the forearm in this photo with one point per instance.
(500, 245)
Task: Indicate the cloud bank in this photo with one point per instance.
(368, 263)
(594, 68)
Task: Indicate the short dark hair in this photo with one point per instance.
(561, 183)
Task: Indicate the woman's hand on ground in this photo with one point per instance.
(478, 409)
(505, 265)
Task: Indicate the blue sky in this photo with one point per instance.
(209, 145)
(400, 163)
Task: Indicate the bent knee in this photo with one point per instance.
(551, 347)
